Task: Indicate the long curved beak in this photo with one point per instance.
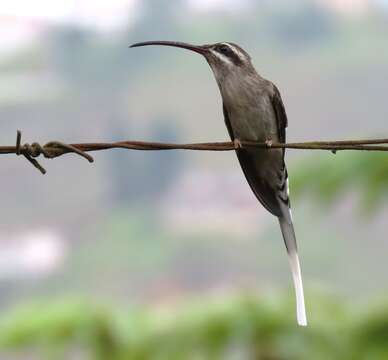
(196, 48)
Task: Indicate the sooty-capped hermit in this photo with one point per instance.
(254, 111)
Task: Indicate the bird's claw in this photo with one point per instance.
(237, 144)
(268, 143)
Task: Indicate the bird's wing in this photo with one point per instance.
(280, 112)
(227, 122)
(282, 123)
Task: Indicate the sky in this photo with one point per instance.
(101, 13)
(111, 13)
(22, 20)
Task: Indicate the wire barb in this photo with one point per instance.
(50, 150)
(54, 149)
(28, 151)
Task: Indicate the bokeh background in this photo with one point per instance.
(167, 255)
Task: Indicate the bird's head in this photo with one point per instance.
(224, 58)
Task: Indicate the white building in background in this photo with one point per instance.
(31, 254)
(352, 7)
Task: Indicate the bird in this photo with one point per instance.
(254, 111)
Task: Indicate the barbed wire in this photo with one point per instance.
(54, 149)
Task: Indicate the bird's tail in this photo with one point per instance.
(290, 242)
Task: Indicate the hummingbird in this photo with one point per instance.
(254, 111)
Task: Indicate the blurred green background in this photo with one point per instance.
(168, 255)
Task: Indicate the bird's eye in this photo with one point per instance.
(224, 49)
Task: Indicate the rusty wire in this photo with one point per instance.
(55, 149)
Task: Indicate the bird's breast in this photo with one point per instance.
(252, 119)
(250, 111)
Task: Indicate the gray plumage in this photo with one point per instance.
(254, 111)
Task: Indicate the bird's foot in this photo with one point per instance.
(268, 143)
(237, 144)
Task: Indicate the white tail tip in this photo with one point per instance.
(297, 279)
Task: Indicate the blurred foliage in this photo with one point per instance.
(329, 178)
(243, 327)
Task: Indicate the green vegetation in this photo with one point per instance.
(364, 173)
(244, 327)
